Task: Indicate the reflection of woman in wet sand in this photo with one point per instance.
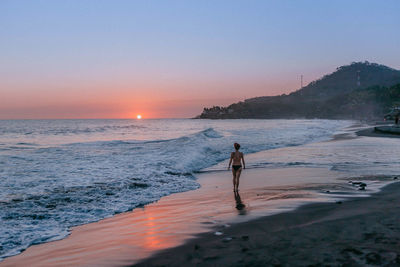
(237, 159)
(239, 204)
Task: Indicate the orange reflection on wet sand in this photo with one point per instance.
(155, 236)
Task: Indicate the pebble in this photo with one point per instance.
(218, 233)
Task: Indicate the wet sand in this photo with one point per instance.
(361, 232)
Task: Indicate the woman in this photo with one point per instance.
(237, 159)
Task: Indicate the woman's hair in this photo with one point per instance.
(236, 145)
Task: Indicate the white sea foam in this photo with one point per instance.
(57, 174)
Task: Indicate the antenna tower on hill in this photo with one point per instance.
(301, 81)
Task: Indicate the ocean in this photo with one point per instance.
(56, 174)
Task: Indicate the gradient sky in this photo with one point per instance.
(116, 59)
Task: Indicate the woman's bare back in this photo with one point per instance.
(236, 158)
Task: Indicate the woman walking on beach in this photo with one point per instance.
(237, 159)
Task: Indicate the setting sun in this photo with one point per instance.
(139, 117)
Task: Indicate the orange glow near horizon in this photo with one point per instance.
(139, 117)
(125, 98)
(114, 109)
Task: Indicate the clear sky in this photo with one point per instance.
(116, 59)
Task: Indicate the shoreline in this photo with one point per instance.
(355, 232)
(108, 242)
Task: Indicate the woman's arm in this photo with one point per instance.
(230, 161)
(244, 164)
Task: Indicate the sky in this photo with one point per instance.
(169, 59)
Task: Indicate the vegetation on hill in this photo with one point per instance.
(339, 95)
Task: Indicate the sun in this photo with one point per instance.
(139, 117)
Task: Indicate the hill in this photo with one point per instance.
(356, 91)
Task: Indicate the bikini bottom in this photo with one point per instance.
(236, 167)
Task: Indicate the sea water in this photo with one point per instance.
(55, 174)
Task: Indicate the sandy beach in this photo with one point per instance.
(339, 224)
(360, 232)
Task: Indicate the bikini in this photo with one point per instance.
(236, 167)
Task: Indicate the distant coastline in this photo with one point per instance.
(361, 90)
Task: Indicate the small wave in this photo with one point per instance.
(27, 144)
(211, 133)
(68, 130)
(207, 133)
(298, 163)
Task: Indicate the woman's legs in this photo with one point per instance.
(238, 173)
(234, 178)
